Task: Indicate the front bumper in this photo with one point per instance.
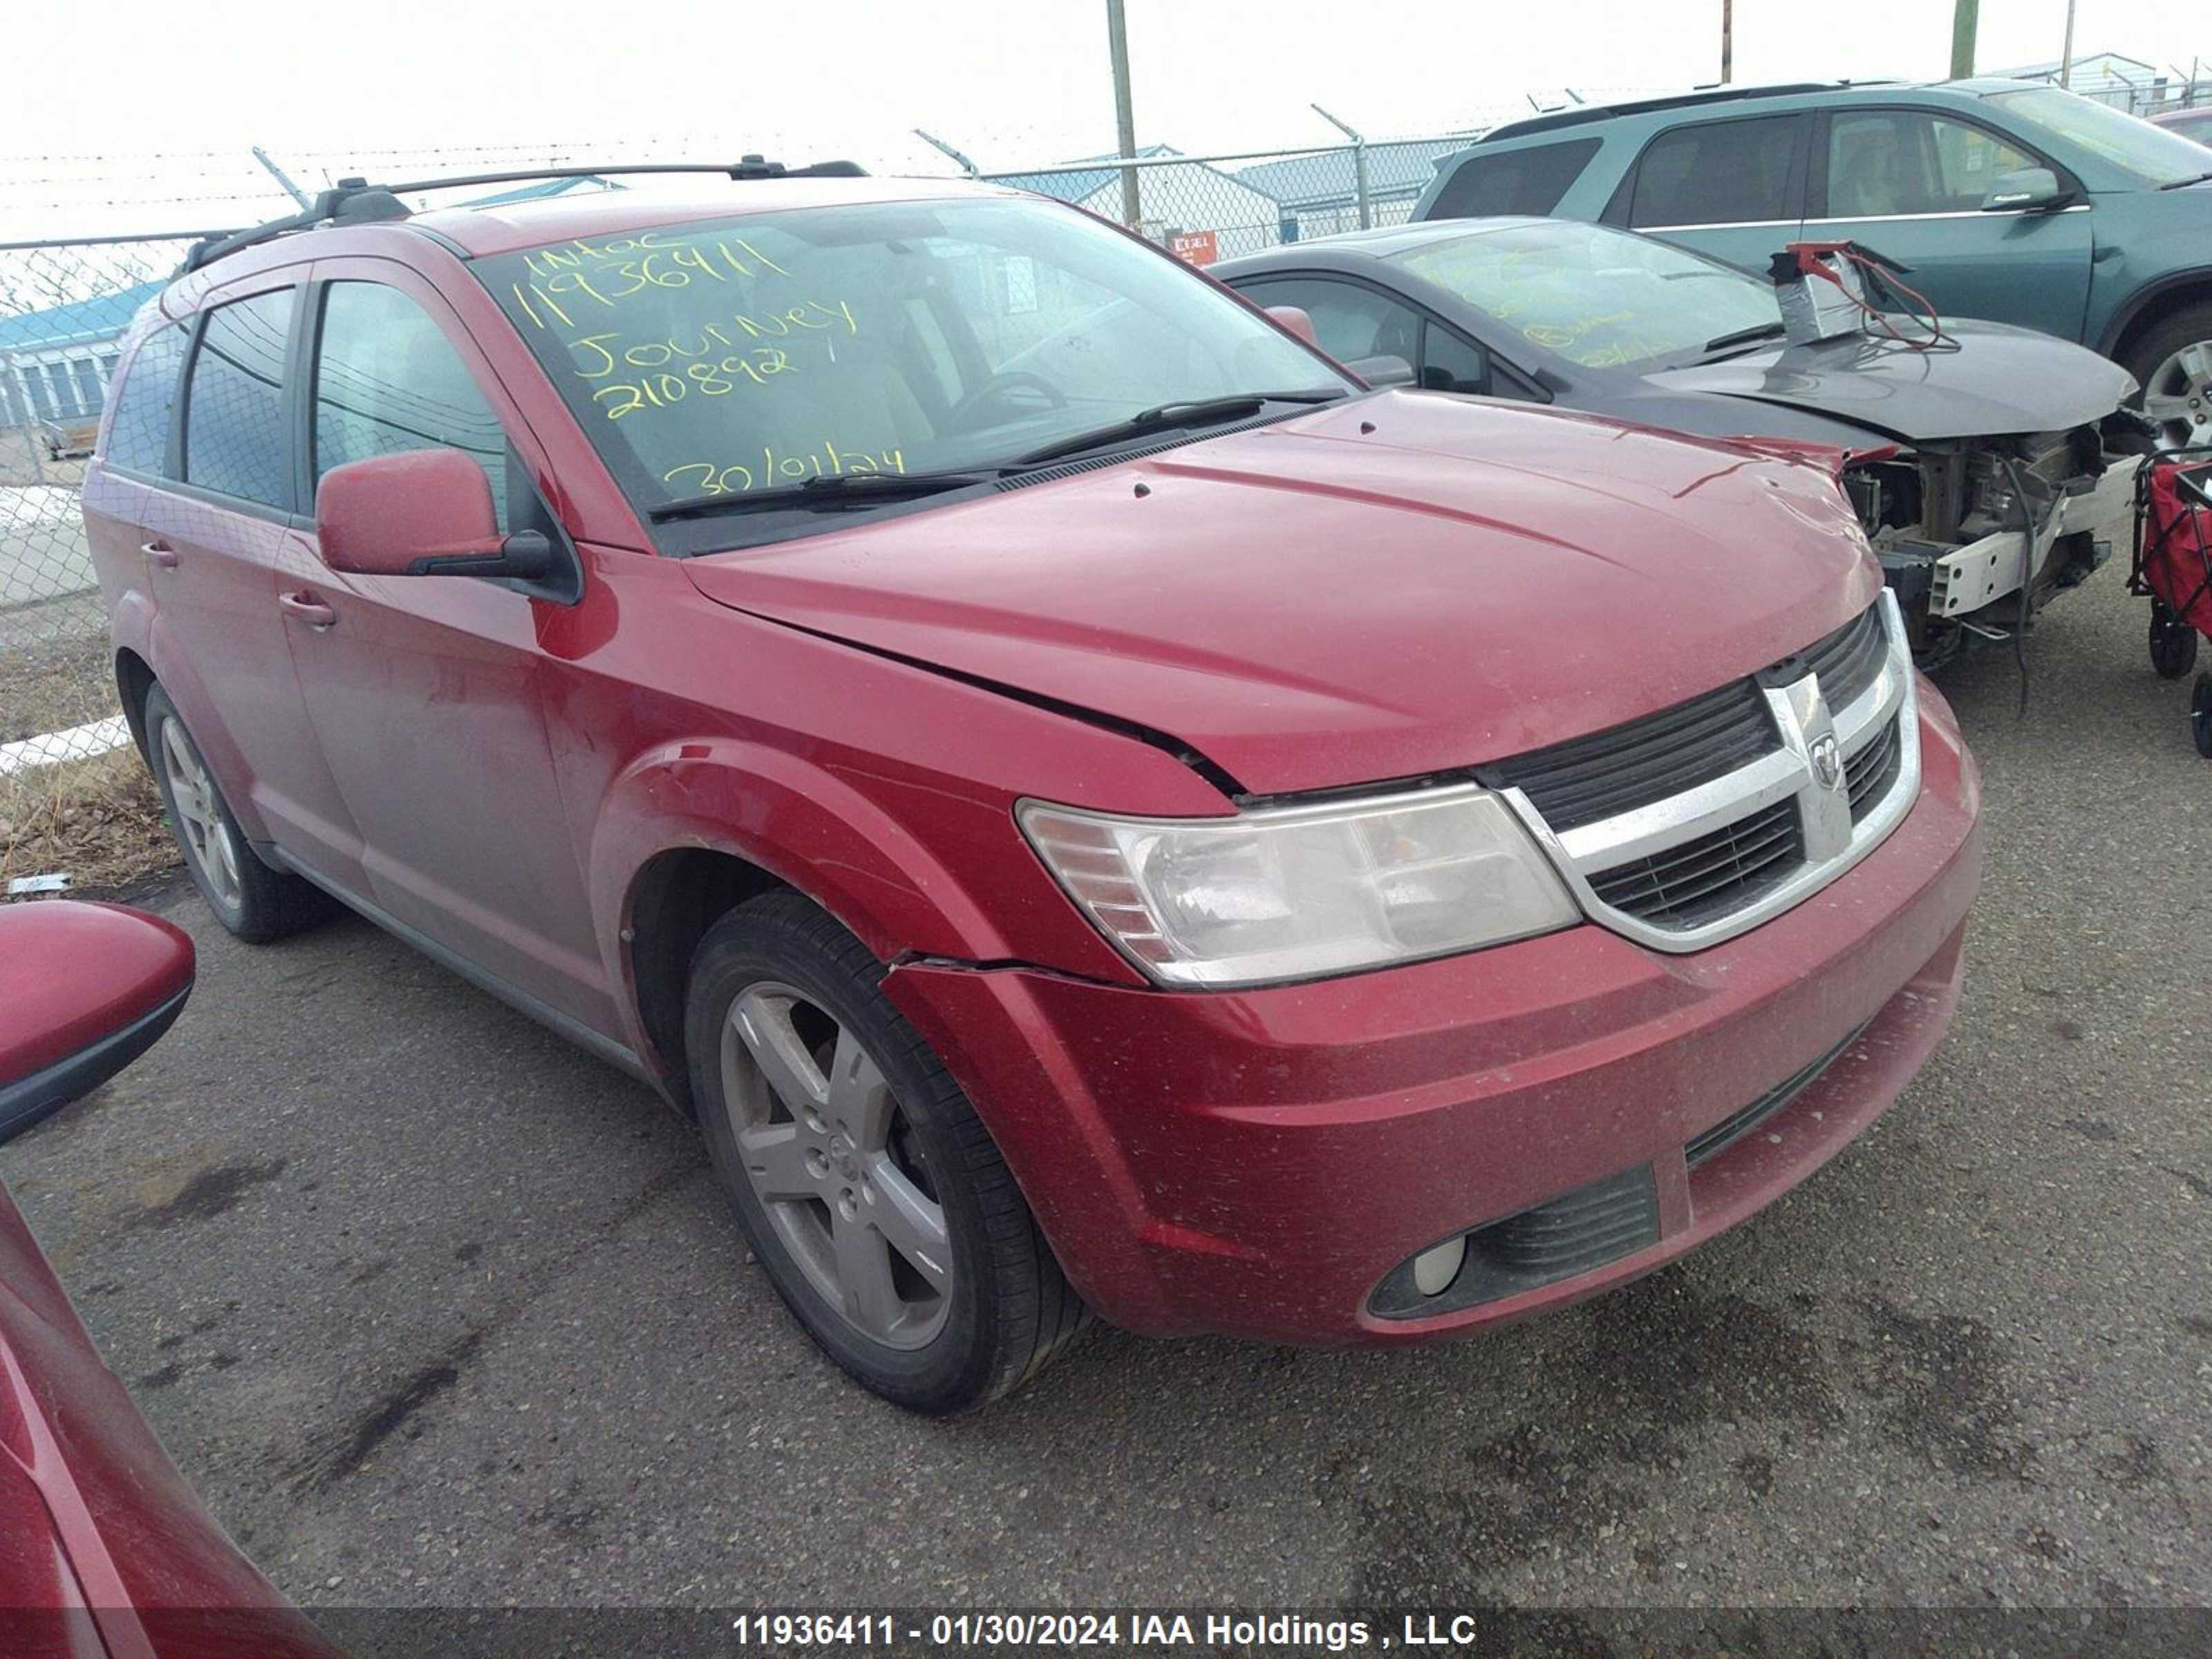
(1260, 1162)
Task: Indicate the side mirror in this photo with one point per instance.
(2031, 190)
(1294, 318)
(421, 512)
(84, 990)
(1382, 371)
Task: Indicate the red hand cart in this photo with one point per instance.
(2173, 568)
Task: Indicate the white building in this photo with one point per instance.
(1185, 199)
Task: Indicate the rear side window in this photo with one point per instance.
(139, 437)
(1721, 173)
(387, 380)
(1351, 322)
(1519, 181)
(235, 408)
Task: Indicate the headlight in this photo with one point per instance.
(1297, 892)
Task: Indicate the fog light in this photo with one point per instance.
(1434, 1270)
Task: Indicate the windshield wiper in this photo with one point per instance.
(835, 489)
(1169, 418)
(1743, 337)
(2180, 184)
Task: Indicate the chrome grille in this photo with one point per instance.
(1869, 774)
(1849, 658)
(1708, 876)
(1689, 826)
(1587, 779)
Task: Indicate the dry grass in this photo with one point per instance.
(55, 685)
(98, 821)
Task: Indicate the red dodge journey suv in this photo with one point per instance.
(1090, 806)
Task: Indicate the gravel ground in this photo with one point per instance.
(435, 1309)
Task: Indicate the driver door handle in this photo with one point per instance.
(159, 553)
(309, 609)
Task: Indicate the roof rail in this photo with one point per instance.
(1588, 113)
(357, 202)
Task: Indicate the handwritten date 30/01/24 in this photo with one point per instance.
(786, 466)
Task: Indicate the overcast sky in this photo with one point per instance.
(126, 114)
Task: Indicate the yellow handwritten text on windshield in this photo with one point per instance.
(780, 466)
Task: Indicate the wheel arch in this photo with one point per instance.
(163, 665)
(695, 827)
(679, 894)
(2151, 304)
(134, 678)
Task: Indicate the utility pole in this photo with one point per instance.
(1965, 15)
(278, 173)
(1125, 117)
(2066, 52)
(1728, 41)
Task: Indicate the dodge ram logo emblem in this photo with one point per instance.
(1827, 757)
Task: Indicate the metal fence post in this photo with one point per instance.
(19, 395)
(1361, 194)
(939, 144)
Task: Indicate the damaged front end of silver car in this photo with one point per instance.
(1978, 534)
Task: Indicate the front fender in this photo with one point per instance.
(801, 823)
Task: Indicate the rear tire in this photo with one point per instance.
(2200, 714)
(871, 1193)
(256, 904)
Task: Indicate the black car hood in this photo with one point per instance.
(2000, 380)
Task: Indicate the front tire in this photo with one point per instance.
(254, 902)
(2172, 363)
(870, 1190)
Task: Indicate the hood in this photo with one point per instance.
(2002, 380)
(1397, 585)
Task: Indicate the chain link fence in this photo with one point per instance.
(2147, 96)
(1206, 208)
(63, 307)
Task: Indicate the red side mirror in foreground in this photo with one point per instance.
(103, 1547)
(84, 990)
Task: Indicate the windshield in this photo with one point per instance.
(2152, 154)
(769, 351)
(1597, 297)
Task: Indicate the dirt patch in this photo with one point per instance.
(54, 685)
(98, 821)
(393, 1413)
(204, 1192)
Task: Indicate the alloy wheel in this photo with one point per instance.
(201, 825)
(830, 1155)
(2178, 396)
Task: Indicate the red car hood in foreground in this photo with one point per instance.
(1319, 602)
(103, 1547)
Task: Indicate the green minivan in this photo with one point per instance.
(2008, 200)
